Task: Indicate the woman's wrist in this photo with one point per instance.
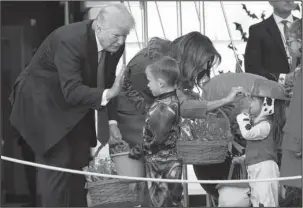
(225, 101)
(213, 105)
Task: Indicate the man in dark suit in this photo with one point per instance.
(266, 51)
(53, 101)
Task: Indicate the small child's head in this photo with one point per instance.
(264, 96)
(162, 75)
(256, 105)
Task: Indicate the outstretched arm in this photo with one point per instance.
(191, 108)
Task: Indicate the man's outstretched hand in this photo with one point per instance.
(117, 86)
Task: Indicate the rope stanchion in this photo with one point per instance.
(145, 179)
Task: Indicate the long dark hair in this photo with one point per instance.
(278, 122)
(191, 51)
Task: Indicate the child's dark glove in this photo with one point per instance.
(136, 152)
(155, 147)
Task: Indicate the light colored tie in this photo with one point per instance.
(285, 29)
(99, 56)
(292, 60)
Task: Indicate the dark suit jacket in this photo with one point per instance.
(58, 89)
(265, 54)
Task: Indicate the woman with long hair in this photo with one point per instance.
(196, 56)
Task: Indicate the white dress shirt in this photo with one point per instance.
(104, 101)
(280, 25)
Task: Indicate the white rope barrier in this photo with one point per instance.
(145, 179)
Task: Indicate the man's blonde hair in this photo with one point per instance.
(116, 15)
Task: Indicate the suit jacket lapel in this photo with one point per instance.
(92, 54)
(275, 32)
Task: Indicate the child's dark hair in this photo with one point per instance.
(167, 69)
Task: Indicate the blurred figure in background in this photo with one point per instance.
(266, 52)
(292, 141)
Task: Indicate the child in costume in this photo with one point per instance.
(262, 128)
(161, 132)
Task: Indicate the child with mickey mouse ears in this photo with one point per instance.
(262, 127)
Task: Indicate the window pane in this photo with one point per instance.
(132, 50)
(135, 35)
(190, 16)
(228, 62)
(168, 15)
(129, 52)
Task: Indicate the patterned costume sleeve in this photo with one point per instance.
(257, 132)
(161, 120)
(136, 152)
(134, 96)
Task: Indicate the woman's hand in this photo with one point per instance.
(236, 93)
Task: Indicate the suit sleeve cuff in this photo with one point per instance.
(112, 122)
(282, 79)
(104, 101)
